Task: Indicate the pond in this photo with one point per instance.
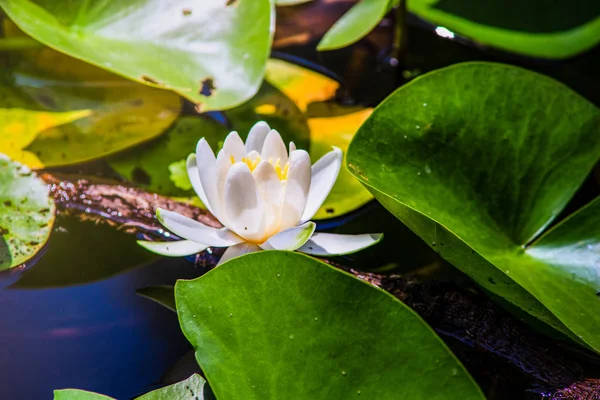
(454, 255)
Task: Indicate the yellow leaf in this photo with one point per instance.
(20, 127)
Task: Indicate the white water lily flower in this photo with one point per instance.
(263, 196)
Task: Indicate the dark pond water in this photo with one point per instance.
(65, 323)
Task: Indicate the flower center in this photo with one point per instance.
(282, 172)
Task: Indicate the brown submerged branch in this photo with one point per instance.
(127, 208)
(468, 317)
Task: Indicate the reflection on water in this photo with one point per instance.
(97, 336)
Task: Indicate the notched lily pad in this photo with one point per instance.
(26, 213)
(478, 159)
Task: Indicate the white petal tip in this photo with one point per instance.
(290, 239)
(179, 248)
(260, 125)
(330, 244)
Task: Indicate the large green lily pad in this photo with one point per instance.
(26, 213)
(479, 159)
(282, 325)
(193, 47)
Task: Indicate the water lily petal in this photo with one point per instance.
(324, 173)
(290, 239)
(243, 205)
(193, 230)
(179, 248)
(223, 166)
(271, 191)
(237, 251)
(253, 155)
(207, 171)
(331, 244)
(233, 146)
(296, 189)
(292, 147)
(274, 148)
(194, 175)
(256, 136)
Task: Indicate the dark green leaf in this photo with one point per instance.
(281, 325)
(26, 213)
(160, 44)
(478, 159)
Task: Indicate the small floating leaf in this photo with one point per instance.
(26, 213)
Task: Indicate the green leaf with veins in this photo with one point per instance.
(282, 325)
(478, 159)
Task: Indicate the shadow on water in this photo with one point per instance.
(91, 334)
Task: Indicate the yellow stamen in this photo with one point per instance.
(282, 173)
(252, 164)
